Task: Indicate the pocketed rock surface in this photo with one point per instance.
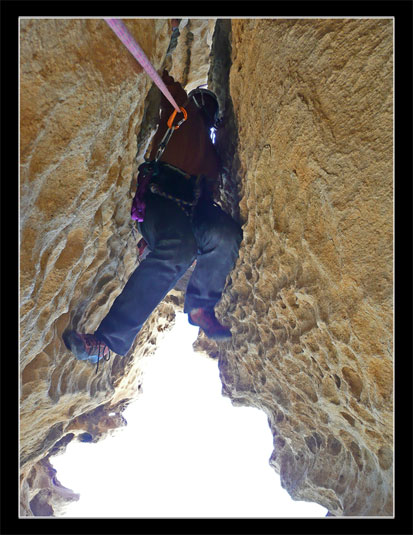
(309, 302)
(83, 98)
(310, 299)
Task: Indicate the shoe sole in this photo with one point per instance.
(218, 336)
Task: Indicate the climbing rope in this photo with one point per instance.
(122, 32)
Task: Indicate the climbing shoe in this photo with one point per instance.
(86, 346)
(206, 319)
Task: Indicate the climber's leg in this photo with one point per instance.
(168, 233)
(218, 237)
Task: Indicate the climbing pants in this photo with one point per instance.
(212, 237)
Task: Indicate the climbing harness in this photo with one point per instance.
(118, 27)
(122, 32)
(163, 179)
(146, 170)
(186, 206)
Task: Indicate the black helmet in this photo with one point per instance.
(198, 97)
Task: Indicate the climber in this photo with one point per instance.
(181, 223)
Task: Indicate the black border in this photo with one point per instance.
(402, 12)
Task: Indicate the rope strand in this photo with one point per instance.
(122, 32)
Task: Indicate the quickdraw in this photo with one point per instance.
(171, 129)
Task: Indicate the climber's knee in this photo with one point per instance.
(180, 250)
(227, 236)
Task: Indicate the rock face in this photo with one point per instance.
(308, 150)
(190, 59)
(83, 97)
(310, 299)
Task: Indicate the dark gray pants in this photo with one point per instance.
(212, 237)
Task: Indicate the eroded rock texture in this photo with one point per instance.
(190, 59)
(83, 97)
(310, 300)
(308, 150)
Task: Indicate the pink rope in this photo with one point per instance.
(122, 32)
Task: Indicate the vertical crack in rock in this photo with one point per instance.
(189, 38)
(227, 140)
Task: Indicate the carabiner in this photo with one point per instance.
(163, 143)
(172, 117)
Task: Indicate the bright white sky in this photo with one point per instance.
(186, 451)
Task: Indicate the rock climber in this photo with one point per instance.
(181, 223)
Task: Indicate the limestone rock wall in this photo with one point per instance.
(310, 300)
(190, 59)
(43, 480)
(82, 100)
